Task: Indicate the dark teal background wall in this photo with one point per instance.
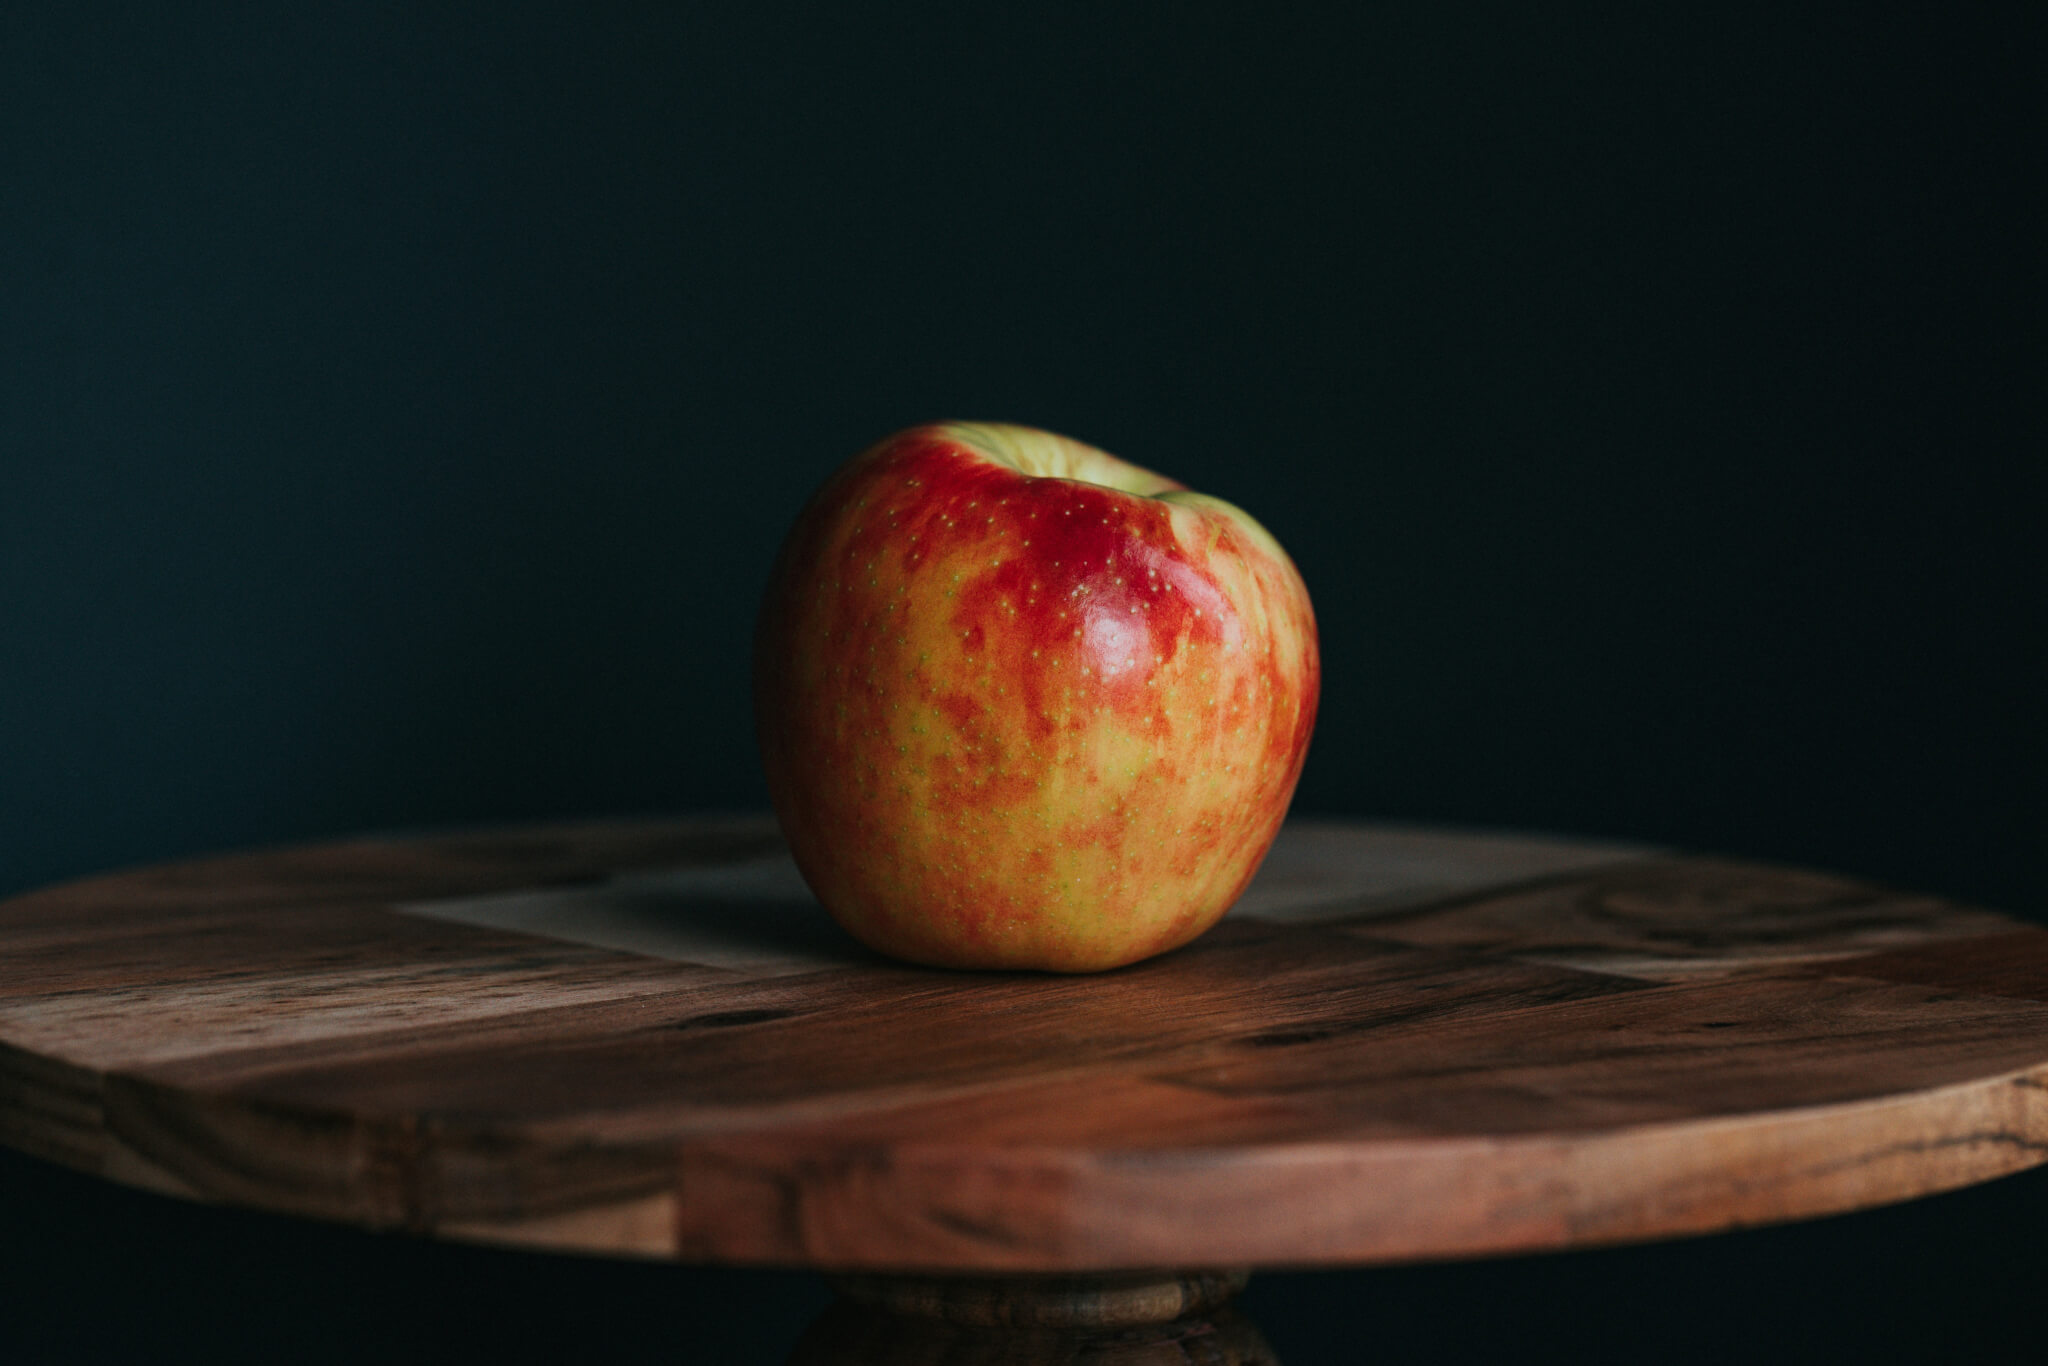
(399, 406)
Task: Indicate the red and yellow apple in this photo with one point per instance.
(1025, 705)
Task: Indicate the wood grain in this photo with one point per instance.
(644, 1039)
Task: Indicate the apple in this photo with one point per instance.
(1025, 705)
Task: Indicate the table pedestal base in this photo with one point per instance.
(1106, 1300)
(1133, 1319)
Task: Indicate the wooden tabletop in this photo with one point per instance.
(645, 1038)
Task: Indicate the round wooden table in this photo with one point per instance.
(646, 1039)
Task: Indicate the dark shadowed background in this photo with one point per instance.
(399, 407)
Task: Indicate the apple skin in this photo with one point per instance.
(1023, 705)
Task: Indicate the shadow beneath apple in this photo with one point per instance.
(787, 935)
(755, 916)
